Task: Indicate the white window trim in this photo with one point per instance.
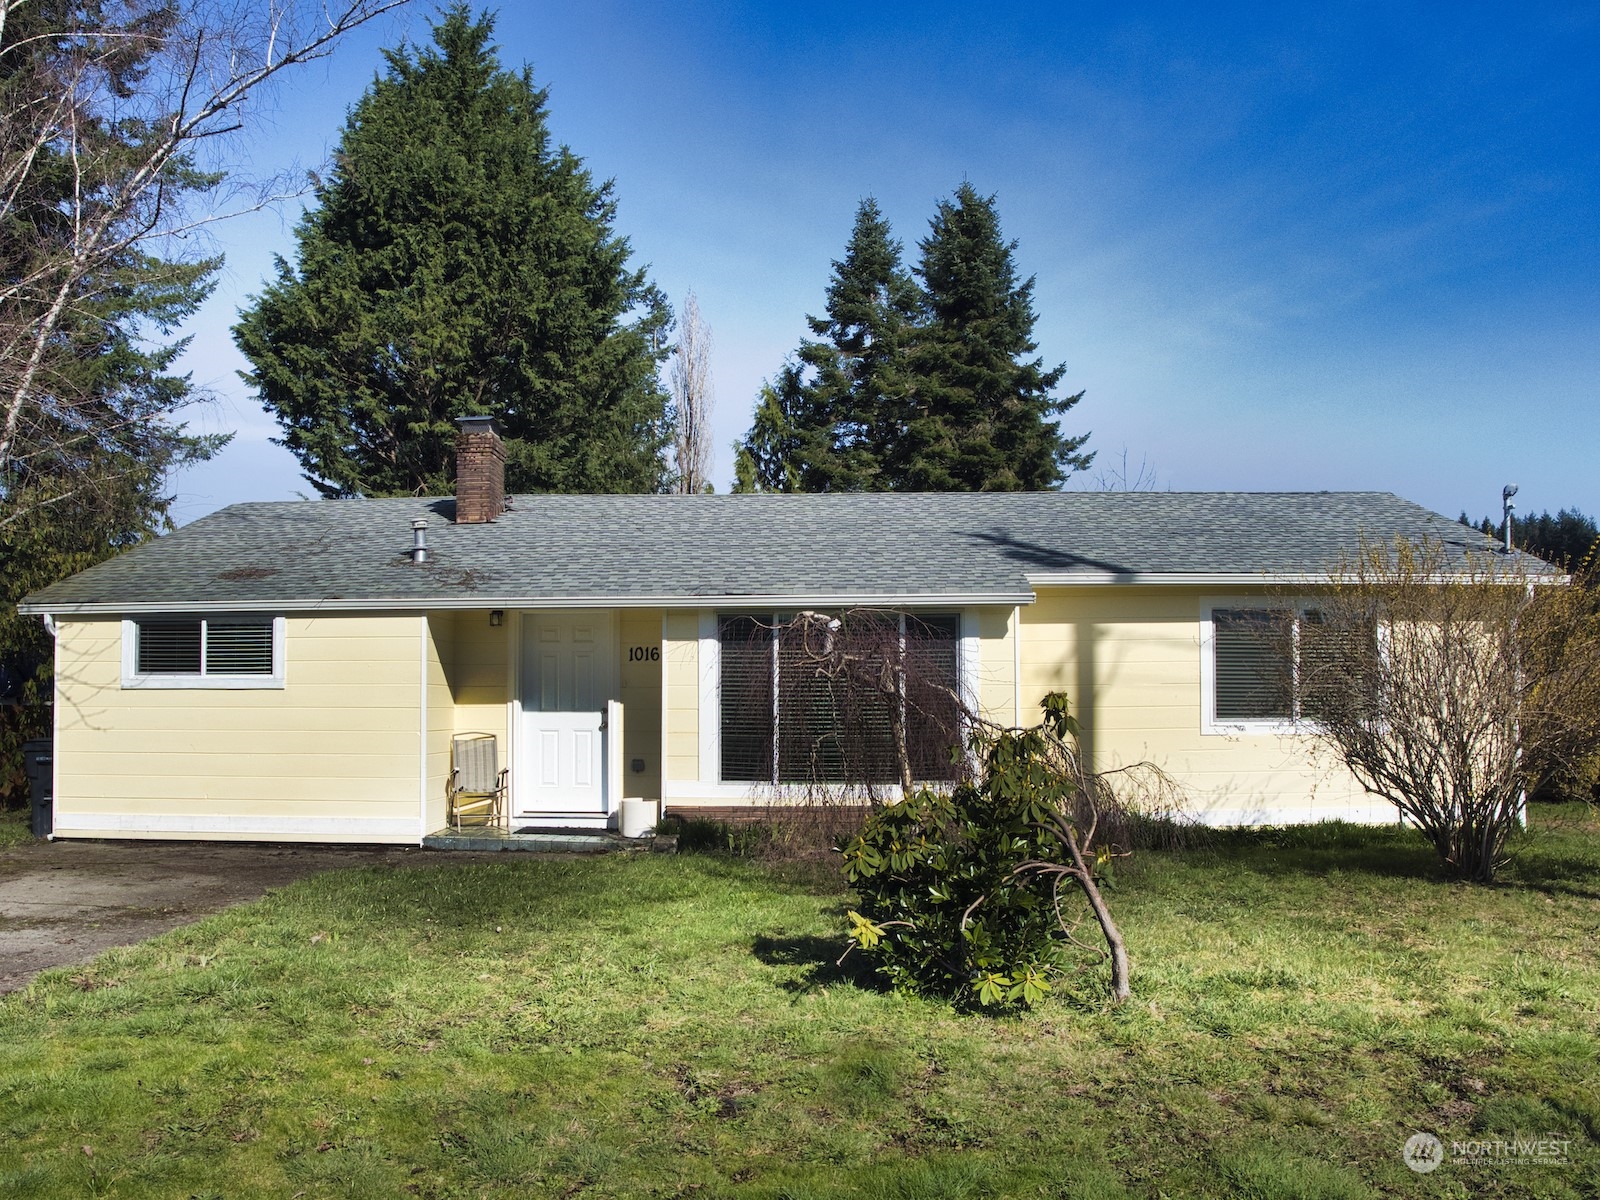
(711, 700)
(1209, 724)
(968, 643)
(131, 679)
(968, 647)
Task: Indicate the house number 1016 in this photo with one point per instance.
(644, 653)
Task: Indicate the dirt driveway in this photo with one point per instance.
(64, 902)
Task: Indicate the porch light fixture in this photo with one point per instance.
(496, 617)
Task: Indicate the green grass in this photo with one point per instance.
(15, 827)
(645, 1025)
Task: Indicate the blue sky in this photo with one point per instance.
(1280, 247)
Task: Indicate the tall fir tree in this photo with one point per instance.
(983, 413)
(458, 263)
(931, 388)
(827, 423)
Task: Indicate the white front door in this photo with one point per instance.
(567, 668)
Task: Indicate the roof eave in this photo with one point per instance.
(1009, 599)
(1249, 579)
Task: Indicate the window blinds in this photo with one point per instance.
(1280, 665)
(1252, 676)
(783, 719)
(211, 646)
(239, 647)
(169, 647)
(745, 698)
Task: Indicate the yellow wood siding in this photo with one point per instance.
(344, 752)
(477, 668)
(638, 634)
(996, 668)
(440, 646)
(681, 652)
(1129, 659)
(333, 755)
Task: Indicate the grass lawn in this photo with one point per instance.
(14, 827)
(646, 1025)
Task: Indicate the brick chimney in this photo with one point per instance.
(480, 471)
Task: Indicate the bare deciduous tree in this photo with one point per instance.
(1450, 686)
(690, 379)
(1119, 476)
(111, 119)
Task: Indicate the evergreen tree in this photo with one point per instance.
(827, 423)
(458, 263)
(770, 458)
(982, 414)
(916, 389)
(87, 460)
(1567, 539)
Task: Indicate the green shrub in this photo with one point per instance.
(944, 908)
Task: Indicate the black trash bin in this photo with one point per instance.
(39, 761)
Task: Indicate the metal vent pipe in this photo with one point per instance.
(419, 541)
(1506, 509)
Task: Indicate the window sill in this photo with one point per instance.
(215, 683)
(1257, 729)
(689, 790)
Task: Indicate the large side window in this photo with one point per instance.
(1271, 667)
(230, 651)
(784, 720)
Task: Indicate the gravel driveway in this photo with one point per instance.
(64, 902)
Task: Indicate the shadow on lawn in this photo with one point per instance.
(1389, 851)
(1556, 854)
(1555, 876)
(1564, 872)
(818, 960)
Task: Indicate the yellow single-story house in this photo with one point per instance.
(297, 671)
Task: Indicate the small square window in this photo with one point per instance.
(219, 652)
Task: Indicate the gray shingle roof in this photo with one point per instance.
(682, 549)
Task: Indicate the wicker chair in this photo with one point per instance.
(477, 788)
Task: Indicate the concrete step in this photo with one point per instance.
(547, 841)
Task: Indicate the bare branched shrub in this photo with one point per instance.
(1451, 686)
(834, 714)
(1137, 807)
